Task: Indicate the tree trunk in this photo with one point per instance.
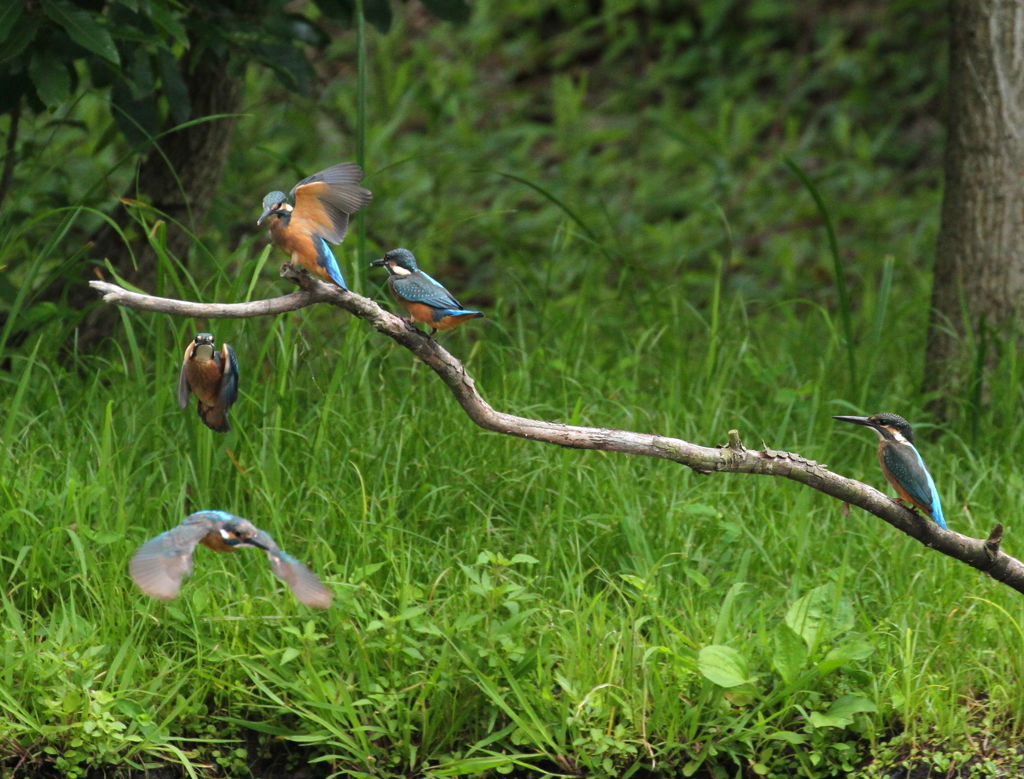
(979, 266)
(178, 179)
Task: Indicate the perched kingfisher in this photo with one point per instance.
(423, 297)
(318, 212)
(162, 562)
(212, 377)
(902, 466)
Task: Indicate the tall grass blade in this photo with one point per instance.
(845, 308)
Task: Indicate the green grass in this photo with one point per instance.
(499, 602)
(502, 604)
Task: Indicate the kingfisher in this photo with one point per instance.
(318, 212)
(212, 377)
(161, 563)
(902, 466)
(423, 297)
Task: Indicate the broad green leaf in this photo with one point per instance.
(789, 737)
(635, 580)
(844, 653)
(200, 598)
(51, 77)
(852, 650)
(849, 705)
(820, 720)
(723, 665)
(474, 765)
(817, 617)
(20, 36)
(697, 578)
(841, 713)
(790, 653)
(9, 14)
(83, 28)
(161, 17)
(448, 10)
(366, 571)
(289, 654)
(524, 558)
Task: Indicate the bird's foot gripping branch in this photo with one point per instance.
(733, 457)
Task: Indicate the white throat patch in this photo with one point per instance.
(398, 270)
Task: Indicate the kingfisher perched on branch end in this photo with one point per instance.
(317, 214)
(162, 562)
(423, 297)
(212, 377)
(902, 466)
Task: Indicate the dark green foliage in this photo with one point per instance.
(140, 48)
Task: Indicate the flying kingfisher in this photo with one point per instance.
(212, 377)
(423, 297)
(902, 466)
(162, 562)
(317, 214)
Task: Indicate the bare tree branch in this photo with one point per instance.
(733, 457)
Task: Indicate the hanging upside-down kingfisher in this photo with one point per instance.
(423, 297)
(212, 377)
(902, 466)
(318, 213)
(162, 562)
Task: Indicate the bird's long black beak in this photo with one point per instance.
(857, 420)
(377, 263)
(264, 215)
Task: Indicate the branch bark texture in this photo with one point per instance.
(732, 457)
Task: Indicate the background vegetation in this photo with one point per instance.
(609, 183)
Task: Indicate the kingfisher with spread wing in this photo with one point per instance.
(162, 562)
(315, 214)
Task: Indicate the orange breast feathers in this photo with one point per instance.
(215, 541)
(420, 312)
(454, 320)
(294, 241)
(204, 377)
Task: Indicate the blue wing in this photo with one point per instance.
(162, 562)
(229, 380)
(420, 288)
(326, 260)
(184, 390)
(936, 503)
(905, 464)
(303, 583)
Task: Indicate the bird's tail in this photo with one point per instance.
(216, 420)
